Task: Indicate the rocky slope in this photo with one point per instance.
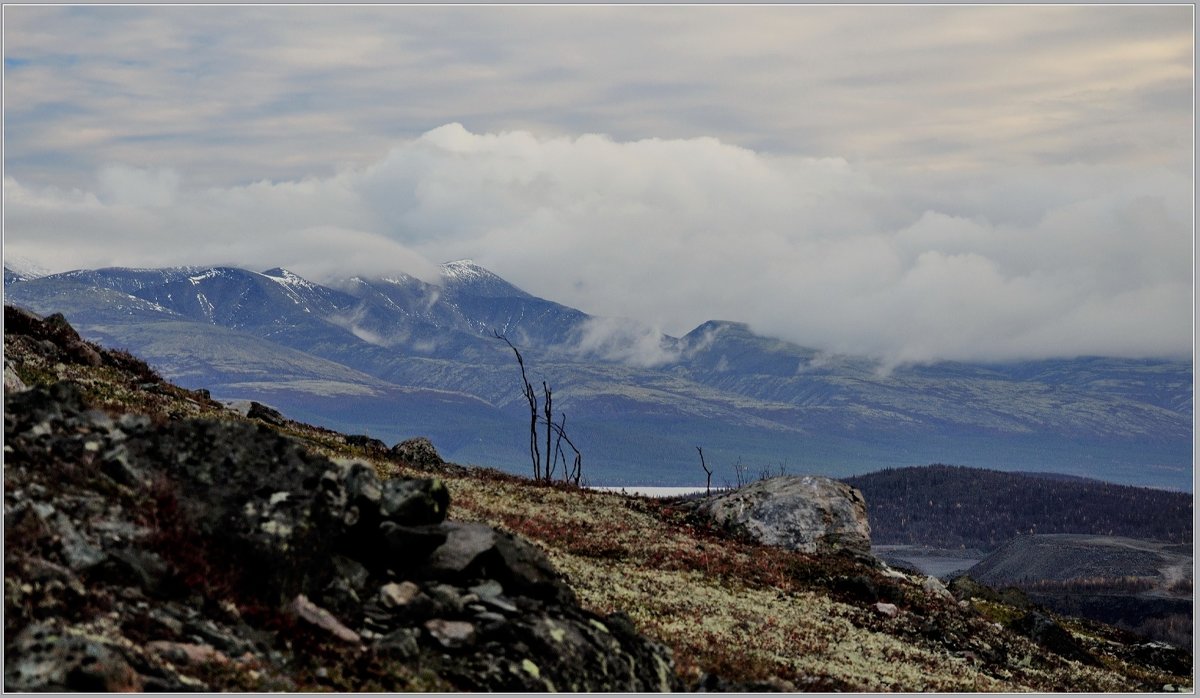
(155, 540)
(211, 553)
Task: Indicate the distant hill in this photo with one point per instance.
(1143, 586)
(946, 506)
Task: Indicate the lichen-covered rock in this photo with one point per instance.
(45, 657)
(808, 514)
(418, 451)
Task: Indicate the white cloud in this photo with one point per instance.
(670, 233)
(122, 185)
(623, 340)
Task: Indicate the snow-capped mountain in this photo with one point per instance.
(396, 356)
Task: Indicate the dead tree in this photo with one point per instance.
(707, 472)
(549, 431)
(531, 398)
(552, 455)
(739, 471)
(577, 466)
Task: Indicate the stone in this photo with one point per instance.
(451, 633)
(490, 593)
(141, 568)
(478, 551)
(45, 657)
(266, 414)
(187, 653)
(401, 643)
(418, 451)
(410, 543)
(886, 609)
(115, 464)
(393, 594)
(414, 502)
(346, 589)
(809, 514)
(78, 552)
(934, 587)
(12, 382)
(308, 611)
(366, 442)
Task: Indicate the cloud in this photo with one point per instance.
(122, 185)
(623, 340)
(281, 93)
(673, 232)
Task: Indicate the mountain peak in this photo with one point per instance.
(466, 275)
(24, 268)
(464, 268)
(719, 325)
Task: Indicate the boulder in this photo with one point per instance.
(366, 442)
(478, 551)
(48, 657)
(809, 514)
(266, 414)
(419, 452)
(12, 382)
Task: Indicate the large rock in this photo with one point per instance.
(809, 514)
(418, 451)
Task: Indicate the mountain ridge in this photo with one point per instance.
(637, 396)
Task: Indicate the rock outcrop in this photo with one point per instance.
(205, 554)
(810, 514)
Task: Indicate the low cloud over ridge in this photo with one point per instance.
(907, 265)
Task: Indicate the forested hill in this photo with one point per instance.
(947, 506)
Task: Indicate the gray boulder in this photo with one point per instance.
(418, 451)
(809, 514)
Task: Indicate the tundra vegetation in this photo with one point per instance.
(735, 614)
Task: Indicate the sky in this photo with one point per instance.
(915, 183)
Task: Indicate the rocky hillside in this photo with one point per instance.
(155, 540)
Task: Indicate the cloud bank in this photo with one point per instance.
(1023, 262)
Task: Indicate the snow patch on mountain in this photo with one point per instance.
(464, 269)
(286, 278)
(466, 276)
(208, 274)
(25, 267)
(206, 306)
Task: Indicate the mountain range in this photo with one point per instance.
(395, 356)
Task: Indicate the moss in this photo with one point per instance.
(530, 668)
(997, 612)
